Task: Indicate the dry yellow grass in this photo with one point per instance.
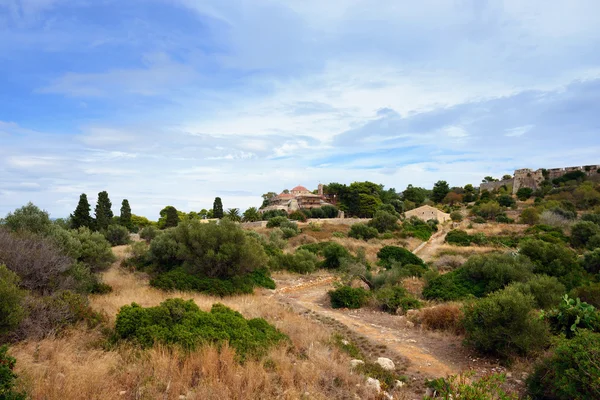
(74, 366)
(465, 251)
(497, 229)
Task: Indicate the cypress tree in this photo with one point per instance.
(218, 208)
(103, 211)
(81, 216)
(125, 218)
(170, 215)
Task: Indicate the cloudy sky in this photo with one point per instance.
(174, 102)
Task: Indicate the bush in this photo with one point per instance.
(384, 221)
(502, 325)
(506, 200)
(591, 261)
(298, 216)
(594, 217)
(572, 315)
(388, 255)
(458, 237)
(179, 322)
(11, 297)
(589, 293)
(546, 290)
(530, 216)
(417, 228)
(8, 377)
(363, 232)
(330, 211)
(148, 233)
(28, 218)
(443, 317)
(449, 262)
(488, 387)
(117, 235)
(276, 221)
(348, 297)
(289, 232)
(302, 262)
(334, 253)
(96, 251)
(456, 216)
(524, 193)
(571, 372)
(392, 298)
(553, 259)
(582, 232)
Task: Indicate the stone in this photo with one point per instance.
(410, 324)
(345, 342)
(122, 392)
(182, 397)
(429, 392)
(509, 375)
(356, 363)
(398, 384)
(374, 384)
(386, 363)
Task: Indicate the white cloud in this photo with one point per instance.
(518, 131)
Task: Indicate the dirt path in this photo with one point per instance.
(428, 249)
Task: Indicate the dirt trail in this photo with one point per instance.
(428, 249)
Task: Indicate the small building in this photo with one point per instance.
(296, 199)
(427, 212)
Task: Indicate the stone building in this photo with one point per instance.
(427, 212)
(298, 198)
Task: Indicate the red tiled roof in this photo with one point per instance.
(285, 196)
(300, 189)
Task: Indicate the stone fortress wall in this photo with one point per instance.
(532, 179)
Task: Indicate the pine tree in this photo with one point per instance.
(218, 208)
(81, 216)
(170, 216)
(125, 218)
(103, 211)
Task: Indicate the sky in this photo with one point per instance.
(175, 102)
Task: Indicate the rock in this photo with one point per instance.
(356, 363)
(345, 342)
(509, 375)
(398, 384)
(386, 363)
(374, 384)
(388, 396)
(122, 392)
(182, 397)
(429, 392)
(410, 324)
(525, 375)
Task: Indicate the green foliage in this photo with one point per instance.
(530, 216)
(390, 255)
(95, 250)
(546, 290)
(489, 210)
(117, 235)
(417, 228)
(169, 217)
(488, 387)
(8, 377)
(276, 221)
(267, 215)
(251, 214)
(362, 232)
(416, 195)
(81, 216)
(334, 253)
(392, 298)
(553, 259)
(506, 200)
(125, 217)
(503, 325)
(298, 216)
(589, 293)
(572, 372)
(570, 176)
(456, 216)
(11, 298)
(218, 208)
(28, 218)
(582, 232)
(592, 217)
(524, 193)
(458, 237)
(329, 211)
(103, 211)
(302, 262)
(440, 190)
(179, 322)
(233, 214)
(479, 276)
(148, 233)
(572, 315)
(348, 297)
(316, 248)
(384, 221)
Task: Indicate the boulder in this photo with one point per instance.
(386, 363)
(374, 384)
(356, 363)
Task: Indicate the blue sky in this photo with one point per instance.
(174, 102)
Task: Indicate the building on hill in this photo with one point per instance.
(427, 212)
(298, 198)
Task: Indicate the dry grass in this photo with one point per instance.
(414, 286)
(497, 229)
(74, 366)
(464, 251)
(443, 317)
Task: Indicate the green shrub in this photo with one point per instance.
(456, 216)
(389, 255)
(572, 315)
(582, 232)
(338, 235)
(546, 290)
(180, 279)
(593, 217)
(553, 259)
(524, 193)
(362, 232)
(334, 253)
(316, 248)
(458, 237)
(506, 200)
(148, 233)
(348, 297)
(298, 216)
(8, 377)
(479, 220)
(179, 322)
(572, 372)
(28, 218)
(417, 228)
(302, 262)
(276, 221)
(117, 235)
(384, 221)
(591, 261)
(488, 387)
(96, 251)
(503, 325)
(11, 298)
(589, 293)
(392, 298)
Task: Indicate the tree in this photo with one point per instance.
(170, 216)
(440, 190)
(251, 215)
(234, 214)
(469, 195)
(415, 194)
(81, 216)
(507, 177)
(218, 208)
(452, 198)
(125, 218)
(267, 198)
(489, 179)
(28, 218)
(506, 200)
(104, 214)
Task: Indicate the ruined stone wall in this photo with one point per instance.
(491, 186)
(527, 178)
